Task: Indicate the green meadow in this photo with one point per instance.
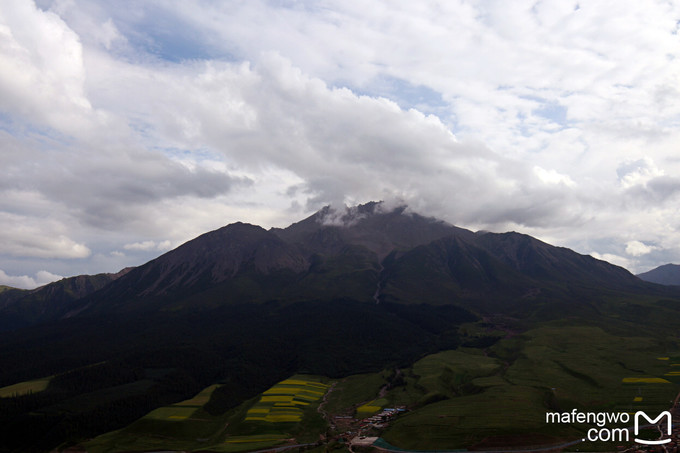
(25, 388)
(285, 411)
(490, 397)
(462, 399)
(184, 425)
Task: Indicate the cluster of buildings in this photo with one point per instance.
(361, 433)
(380, 420)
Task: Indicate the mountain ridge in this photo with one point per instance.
(335, 294)
(666, 274)
(21, 307)
(365, 253)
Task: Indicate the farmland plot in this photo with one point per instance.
(285, 401)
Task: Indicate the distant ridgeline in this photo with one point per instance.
(336, 294)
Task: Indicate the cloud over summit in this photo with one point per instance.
(154, 122)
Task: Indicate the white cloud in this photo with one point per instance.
(147, 246)
(41, 68)
(122, 128)
(553, 177)
(637, 248)
(37, 237)
(612, 258)
(25, 282)
(638, 172)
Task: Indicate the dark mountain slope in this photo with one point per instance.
(450, 270)
(218, 256)
(668, 274)
(541, 261)
(371, 226)
(364, 254)
(20, 308)
(226, 259)
(310, 260)
(246, 306)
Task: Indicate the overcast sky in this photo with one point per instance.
(129, 127)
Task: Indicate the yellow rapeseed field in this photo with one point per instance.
(645, 380)
(284, 401)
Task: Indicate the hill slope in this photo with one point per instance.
(367, 253)
(334, 294)
(668, 274)
(19, 308)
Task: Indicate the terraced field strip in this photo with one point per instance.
(184, 409)
(644, 380)
(24, 388)
(172, 413)
(284, 402)
(652, 392)
(200, 399)
(371, 408)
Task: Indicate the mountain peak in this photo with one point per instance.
(376, 226)
(351, 215)
(667, 274)
(369, 252)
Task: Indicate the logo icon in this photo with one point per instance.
(664, 414)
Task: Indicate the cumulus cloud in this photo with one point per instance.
(41, 68)
(637, 172)
(149, 246)
(34, 237)
(612, 258)
(553, 177)
(637, 248)
(25, 282)
(125, 128)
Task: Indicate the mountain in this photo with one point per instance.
(326, 256)
(668, 274)
(371, 225)
(338, 293)
(234, 263)
(20, 308)
(367, 253)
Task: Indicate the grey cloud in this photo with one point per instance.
(656, 191)
(26, 282)
(109, 197)
(346, 148)
(122, 140)
(108, 188)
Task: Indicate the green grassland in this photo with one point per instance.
(514, 415)
(490, 397)
(461, 399)
(4, 288)
(24, 388)
(184, 425)
(187, 426)
(353, 391)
